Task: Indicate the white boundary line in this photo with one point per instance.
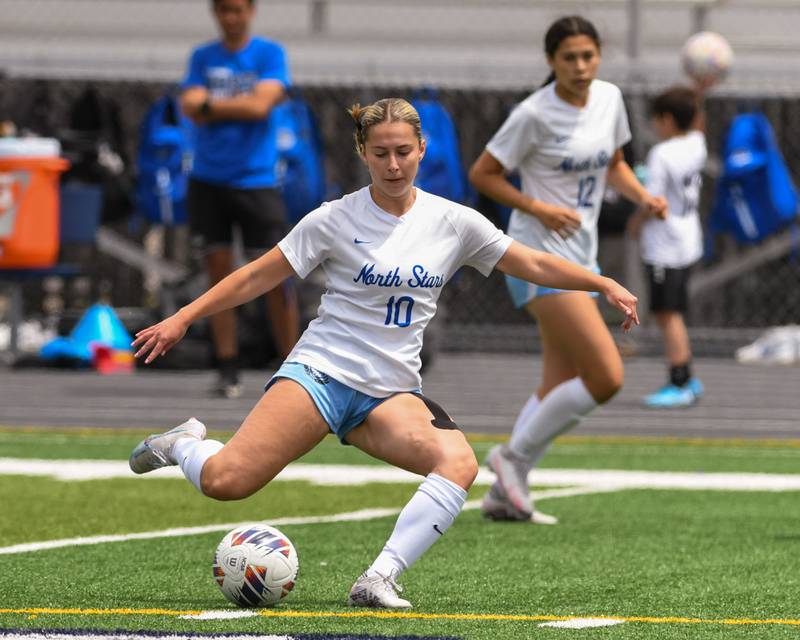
(587, 481)
(351, 516)
(342, 475)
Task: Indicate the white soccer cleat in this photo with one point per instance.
(512, 478)
(155, 451)
(377, 591)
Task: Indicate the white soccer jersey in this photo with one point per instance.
(673, 171)
(384, 275)
(562, 153)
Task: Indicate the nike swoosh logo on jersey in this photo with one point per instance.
(357, 241)
(436, 529)
(560, 139)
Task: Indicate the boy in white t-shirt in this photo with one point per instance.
(669, 247)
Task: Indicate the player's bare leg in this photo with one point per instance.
(284, 425)
(407, 433)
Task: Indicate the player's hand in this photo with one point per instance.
(619, 297)
(158, 339)
(565, 222)
(655, 206)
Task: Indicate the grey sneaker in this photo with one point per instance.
(155, 451)
(227, 387)
(512, 477)
(377, 591)
(496, 506)
(231, 391)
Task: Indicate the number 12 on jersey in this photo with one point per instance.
(585, 191)
(398, 311)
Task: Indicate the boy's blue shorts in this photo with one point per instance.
(342, 407)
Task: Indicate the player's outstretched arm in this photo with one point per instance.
(554, 271)
(250, 281)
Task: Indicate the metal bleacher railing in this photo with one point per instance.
(464, 43)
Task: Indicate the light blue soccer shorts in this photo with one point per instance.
(342, 407)
(522, 291)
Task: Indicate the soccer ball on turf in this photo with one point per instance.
(255, 566)
(707, 57)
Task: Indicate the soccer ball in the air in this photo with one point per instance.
(255, 566)
(707, 57)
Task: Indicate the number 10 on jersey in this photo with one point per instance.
(398, 311)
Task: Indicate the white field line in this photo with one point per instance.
(352, 516)
(222, 614)
(583, 623)
(357, 475)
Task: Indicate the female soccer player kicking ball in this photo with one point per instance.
(387, 250)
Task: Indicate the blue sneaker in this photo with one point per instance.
(671, 397)
(696, 386)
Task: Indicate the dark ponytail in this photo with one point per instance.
(564, 28)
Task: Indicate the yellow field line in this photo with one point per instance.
(490, 617)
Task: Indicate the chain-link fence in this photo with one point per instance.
(729, 306)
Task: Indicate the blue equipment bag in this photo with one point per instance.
(165, 159)
(301, 166)
(755, 195)
(440, 171)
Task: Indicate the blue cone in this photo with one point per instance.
(98, 325)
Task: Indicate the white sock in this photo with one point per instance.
(428, 514)
(191, 454)
(521, 424)
(560, 410)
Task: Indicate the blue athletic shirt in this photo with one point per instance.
(236, 153)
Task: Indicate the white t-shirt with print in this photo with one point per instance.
(674, 171)
(384, 275)
(562, 153)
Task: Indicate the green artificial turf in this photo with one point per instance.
(656, 557)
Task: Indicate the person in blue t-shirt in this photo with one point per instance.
(230, 89)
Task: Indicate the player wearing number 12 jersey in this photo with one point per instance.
(387, 251)
(565, 140)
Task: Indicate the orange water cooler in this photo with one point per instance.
(30, 171)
